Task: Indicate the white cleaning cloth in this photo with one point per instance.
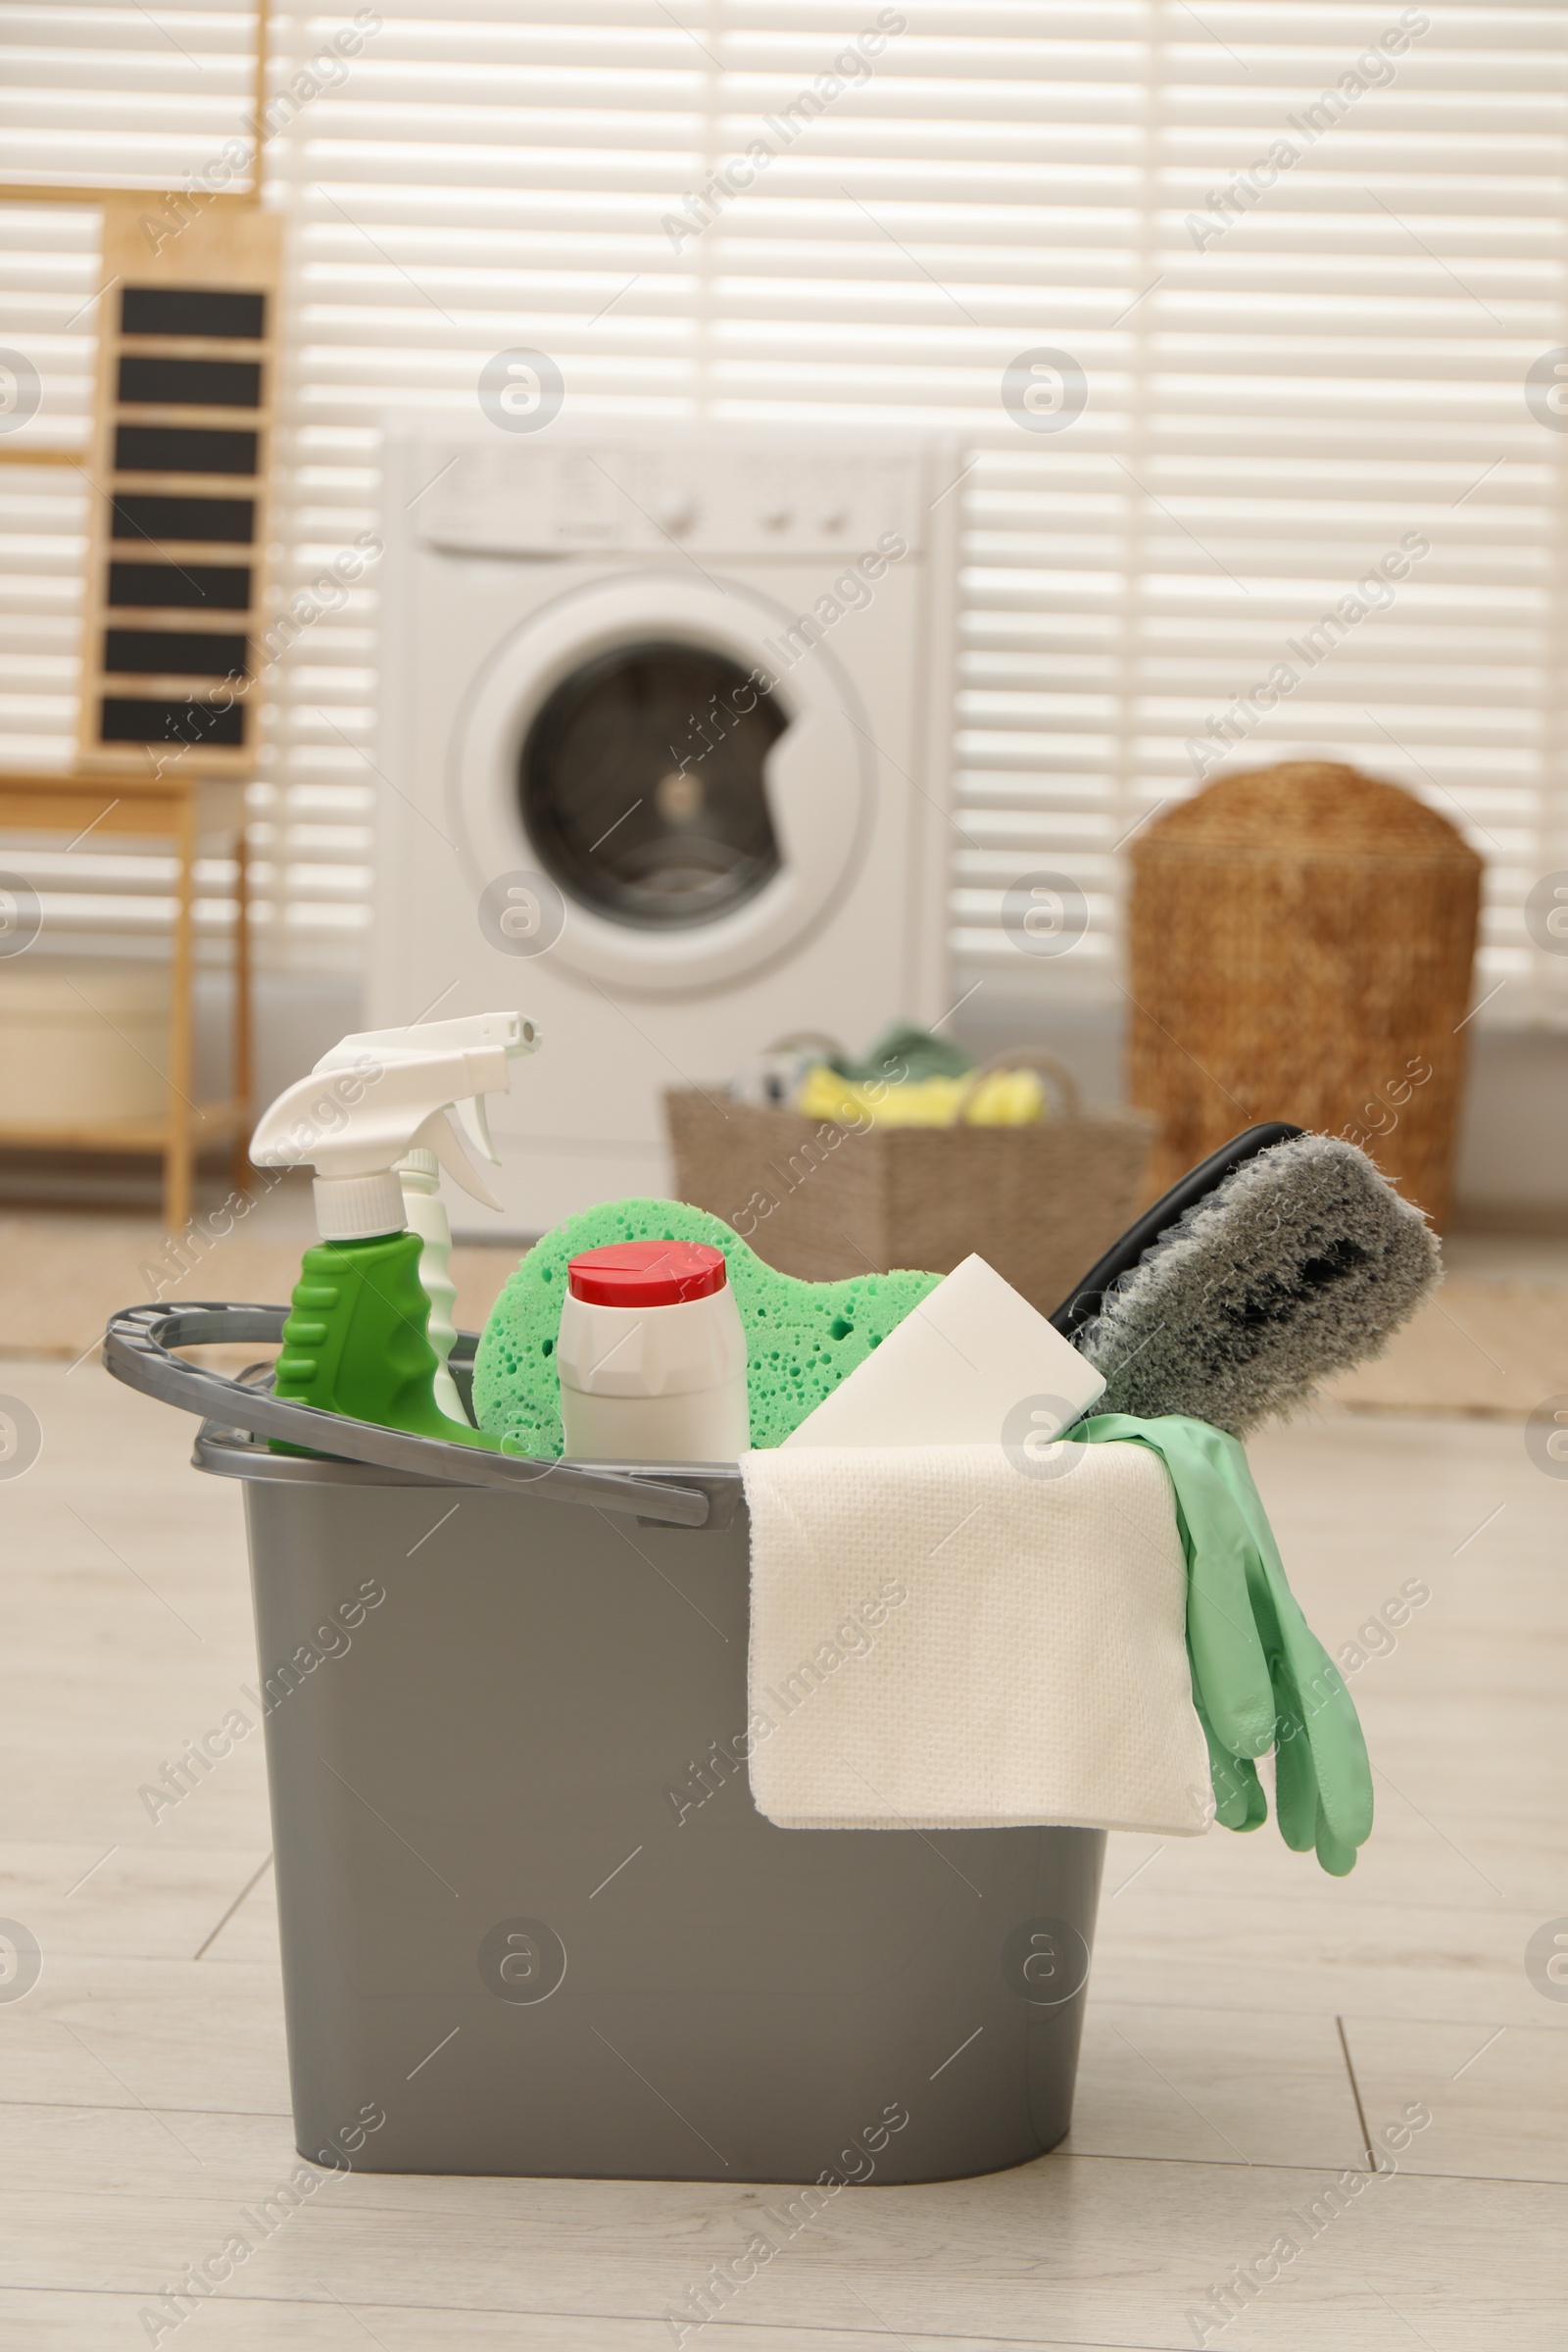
(943, 1641)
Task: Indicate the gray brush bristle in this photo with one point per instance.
(1301, 1263)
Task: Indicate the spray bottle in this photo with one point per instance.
(354, 1340)
(418, 1170)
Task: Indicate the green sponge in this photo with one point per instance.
(802, 1338)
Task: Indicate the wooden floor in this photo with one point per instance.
(1250, 2021)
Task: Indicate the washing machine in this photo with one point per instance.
(663, 763)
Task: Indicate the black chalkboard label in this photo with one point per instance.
(154, 517)
(182, 449)
(191, 384)
(181, 587)
(214, 311)
(175, 653)
(125, 719)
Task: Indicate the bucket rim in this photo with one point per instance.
(139, 1348)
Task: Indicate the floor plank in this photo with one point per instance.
(146, 1901)
(1072, 2249)
(1498, 2098)
(1214, 2086)
(171, 2034)
(67, 2323)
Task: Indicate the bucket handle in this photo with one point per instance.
(139, 1348)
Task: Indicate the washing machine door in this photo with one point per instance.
(699, 797)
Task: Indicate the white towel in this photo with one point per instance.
(943, 1641)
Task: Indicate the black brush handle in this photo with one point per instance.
(1083, 1300)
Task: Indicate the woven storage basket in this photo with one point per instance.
(1040, 1203)
(1301, 944)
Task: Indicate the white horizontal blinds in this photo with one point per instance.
(47, 280)
(1325, 374)
(111, 94)
(360, 332)
(1270, 409)
(1043, 752)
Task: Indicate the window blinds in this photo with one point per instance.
(1290, 266)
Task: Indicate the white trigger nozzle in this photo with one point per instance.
(476, 1127)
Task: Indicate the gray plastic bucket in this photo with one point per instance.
(531, 1921)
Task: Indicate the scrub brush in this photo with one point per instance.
(1283, 1261)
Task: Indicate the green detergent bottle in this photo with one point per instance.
(355, 1341)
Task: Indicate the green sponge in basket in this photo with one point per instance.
(802, 1338)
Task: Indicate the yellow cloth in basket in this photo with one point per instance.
(1000, 1099)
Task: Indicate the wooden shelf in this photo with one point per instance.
(209, 1123)
(13, 454)
(174, 790)
(184, 806)
(110, 801)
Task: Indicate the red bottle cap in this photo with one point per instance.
(647, 1273)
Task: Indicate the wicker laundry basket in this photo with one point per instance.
(1038, 1202)
(1300, 948)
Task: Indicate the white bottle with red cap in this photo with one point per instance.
(652, 1355)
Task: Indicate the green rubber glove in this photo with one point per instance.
(1239, 1800)
(1261, 1677)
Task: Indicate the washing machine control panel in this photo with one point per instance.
(620, 498)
